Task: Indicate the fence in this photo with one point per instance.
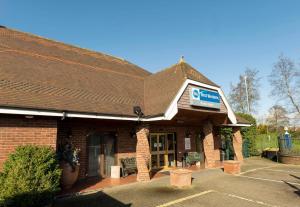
(289, 145)
(246, 152)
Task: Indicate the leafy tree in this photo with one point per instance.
(262, 129)
(284, 79)
(238, 94)
(250, 133)
(30, 177)
(277, 117)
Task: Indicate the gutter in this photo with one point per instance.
(171, 111)
(63, 114)
(237, 125)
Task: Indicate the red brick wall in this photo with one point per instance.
(142, 154)
(237, 142)
(217, 144)
(126, 144)
(18, 130)
(82, 128)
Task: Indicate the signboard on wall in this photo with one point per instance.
(187, 143)
(205, 98)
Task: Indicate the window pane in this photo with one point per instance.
(161, 143)
(161, 160)
(153, 143)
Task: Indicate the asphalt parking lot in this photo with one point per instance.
(261, 183)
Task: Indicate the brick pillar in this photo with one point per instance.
(208, 143)
(142, 154)
(237, 143)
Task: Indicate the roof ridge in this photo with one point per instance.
(197, 73)
(67, 47)
(181, 63)
(165, 69)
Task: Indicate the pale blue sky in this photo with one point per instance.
(219, 38)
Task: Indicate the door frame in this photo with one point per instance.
(101, 133)
(164, 152)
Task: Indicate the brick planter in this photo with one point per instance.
(286, 159)
(232, 167)
(181, 178)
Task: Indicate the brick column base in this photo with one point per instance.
(237, 143)
(142, 155)
(208, 143)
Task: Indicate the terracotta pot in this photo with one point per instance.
(69, 175)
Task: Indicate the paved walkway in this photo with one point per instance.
(261, 183)
(94, 184)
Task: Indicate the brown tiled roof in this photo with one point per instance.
(193, 74)
(162, 87)
(241, 120)
(44, 74)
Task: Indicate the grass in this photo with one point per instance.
(266, 141)
(270, 140)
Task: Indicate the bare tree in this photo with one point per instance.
(238, 96)
(284, 79)
(277, 117)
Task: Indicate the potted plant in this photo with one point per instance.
(69, 162)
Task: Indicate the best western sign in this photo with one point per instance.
(205, 98)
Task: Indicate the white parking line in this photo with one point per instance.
(214, 191)
(185, 198)
(250, 200)
(261, 168)
(265, 179)
(286, 171)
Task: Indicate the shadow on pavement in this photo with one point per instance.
(92, 200)
(294, 186)
(82, 184)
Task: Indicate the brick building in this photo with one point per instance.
(108, 107)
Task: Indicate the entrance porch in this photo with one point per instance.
(159, 145)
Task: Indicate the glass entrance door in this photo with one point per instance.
(101, 148)
(94, 155)
(162, 147)
(109, 153)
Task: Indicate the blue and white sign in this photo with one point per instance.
(205, 98)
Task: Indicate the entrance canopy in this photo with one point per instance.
(189, 117)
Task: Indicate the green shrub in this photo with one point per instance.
(250, 133)
(295, 134)
(30, 177)
(226, 138)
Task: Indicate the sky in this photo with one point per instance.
(219, 38)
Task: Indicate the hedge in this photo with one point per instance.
(30, 177)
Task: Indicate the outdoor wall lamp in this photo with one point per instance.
(138, 111)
